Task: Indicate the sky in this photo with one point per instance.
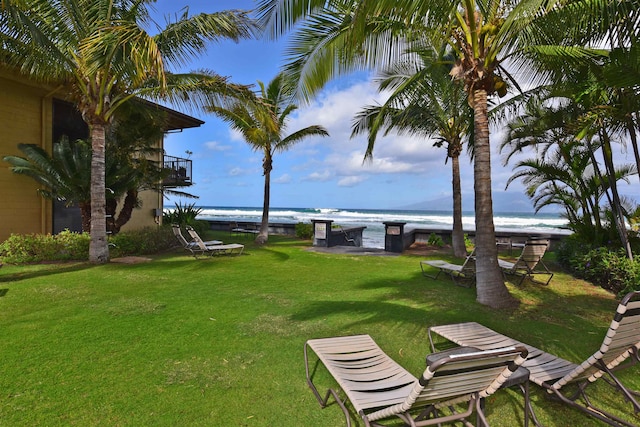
(330, 172)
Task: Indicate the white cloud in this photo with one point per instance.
(284, 179)
(351, 181)
(216, 146)
(237, 172)
(343, 156)
(319, 176)
(235, 135)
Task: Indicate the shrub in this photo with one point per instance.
(26, 248)
(435, 240)
(608, 268)
(149, 240)
(304, 230)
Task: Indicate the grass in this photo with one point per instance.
(218, 342)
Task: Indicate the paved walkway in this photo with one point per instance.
(352, 250)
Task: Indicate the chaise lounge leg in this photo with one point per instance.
(595, 412)
(330, 392)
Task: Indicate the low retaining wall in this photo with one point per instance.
(352, 236)
(507, 239)
(274, 228)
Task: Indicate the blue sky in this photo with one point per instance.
(318, 172)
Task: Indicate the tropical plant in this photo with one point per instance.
(132, 145)
(583, 111)
(427, 103)
(99, 55)
(599, 84)
(262, 122)
(566, 177)
(182, 215)
(65, 175)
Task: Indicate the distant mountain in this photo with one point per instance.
(502, 202)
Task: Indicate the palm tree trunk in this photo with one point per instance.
(110, 214)
(129, 203)
(490, 287)
(634, 142)
(263, 235)
(457, 235)
(616, 206)
(85, 213)
(98, 245)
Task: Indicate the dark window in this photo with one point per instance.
(67, 120)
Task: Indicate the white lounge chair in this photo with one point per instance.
(378, 388)
(529, 263)
(203, 248)
(462, 275)
(190, 245)
(557, 375)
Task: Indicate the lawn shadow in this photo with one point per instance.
(56, 269)
(281, 256)
(542, 319)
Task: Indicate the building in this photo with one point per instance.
(33, 114)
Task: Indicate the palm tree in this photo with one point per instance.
(587, 110)
(337, 37)
(425, 102)
(262, 121)
(98, 55)
(567, 178)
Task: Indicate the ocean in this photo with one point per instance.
(373, 219)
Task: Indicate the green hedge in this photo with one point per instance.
(26, 248)
(67, 245)
(150, 240)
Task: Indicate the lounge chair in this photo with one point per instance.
(202, 248)
(529, 262)
(462, 275)
(378, 388)
(556, 375)
(190, 245)
(247, 230)
(349, 241)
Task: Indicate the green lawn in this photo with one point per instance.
(218, 342)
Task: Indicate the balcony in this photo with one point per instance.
(178, 172)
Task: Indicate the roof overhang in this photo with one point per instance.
(175, 119)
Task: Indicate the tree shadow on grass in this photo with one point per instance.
(545, 317)
(55, 269)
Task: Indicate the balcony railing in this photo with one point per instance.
(179, 172)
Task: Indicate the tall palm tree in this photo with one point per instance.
(338, 36)
(99, 55)
(263, 123)
(427, 103)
